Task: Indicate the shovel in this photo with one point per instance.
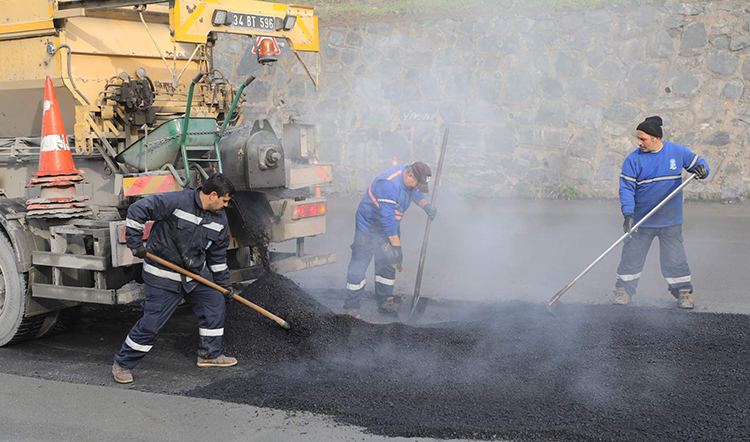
(418, 305)
(221, 289)
(555, 308)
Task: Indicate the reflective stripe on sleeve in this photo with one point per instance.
(209, 332)
(218, 267)
(350, 286)
(134, 224)
(679, 280)
(137, 347)
(187, 216)
(628, 277)
(214, 226)
(385, 281)
(384, 200)
(625, 177)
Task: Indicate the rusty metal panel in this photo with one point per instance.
(309, 175)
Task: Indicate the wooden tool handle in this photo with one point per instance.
(221, 289)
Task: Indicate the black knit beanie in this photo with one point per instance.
(652, 126)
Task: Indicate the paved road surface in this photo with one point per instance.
(479, 250)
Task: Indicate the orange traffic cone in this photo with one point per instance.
(57, 175)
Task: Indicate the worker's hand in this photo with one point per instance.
(397, 257)
(431, 211)
(140, 252)
(627, 225)
(230, 292)
(700, 171)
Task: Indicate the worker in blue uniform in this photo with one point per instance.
(190, 229)
(378, 233)
(649, 174)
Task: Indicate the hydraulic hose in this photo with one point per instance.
(52, 52)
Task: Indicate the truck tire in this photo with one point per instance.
(59, 322)
(13, 326)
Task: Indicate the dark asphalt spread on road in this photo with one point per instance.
(511, 371)
(497, 371)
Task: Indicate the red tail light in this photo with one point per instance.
(310, 209)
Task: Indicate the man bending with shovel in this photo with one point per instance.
(648, 175)
(190, 229)
(378, 233)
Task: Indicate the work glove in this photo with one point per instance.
(394, 255)
(140, 252)
(230, 292)
(627, 225)
(700, 171)
(431, 211)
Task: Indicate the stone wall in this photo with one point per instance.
(539, 104)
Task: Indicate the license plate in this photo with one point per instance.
(253, 21)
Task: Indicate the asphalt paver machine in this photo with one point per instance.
(146, 112)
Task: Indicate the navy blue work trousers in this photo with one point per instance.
(363, 249)
(208, 304)
(674, 265)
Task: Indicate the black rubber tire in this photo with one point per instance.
(14, 327)
(64, 320)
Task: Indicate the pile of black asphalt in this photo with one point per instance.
(510, 372)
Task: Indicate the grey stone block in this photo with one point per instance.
(511, 45)
(623, 113)
(738, 42)
(543, 139)
(552, 88)
(354, 38)
(483, 113)
(429, 86)
(722, 62)
(585, 90)
(609, 168)
(585, 145)
(459, 85)
(500, 139)
(451, 112)
(586, 116)
(395, 144)
(693, 36)
(378, 116)
(581, 40)
(720, 42)
(670, 103)
(721, 138)
(632, 50)
(349, 56)
(518, 86)
(368, 89)
(645, 76)
(674, 22)
(551, 113)
(572, 21)
(733, 89)
(612, 69)
(568, 65)
(578, 172)
(336, 36)
(489, 88)
(464, 137)
(689, 9)
(400, 91)
(746, 69)
(597, 16)
(662, 45)
(734, 187)
(685, 84)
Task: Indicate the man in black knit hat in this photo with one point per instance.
(648, 175)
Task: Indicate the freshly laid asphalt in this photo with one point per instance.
(477, 370)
